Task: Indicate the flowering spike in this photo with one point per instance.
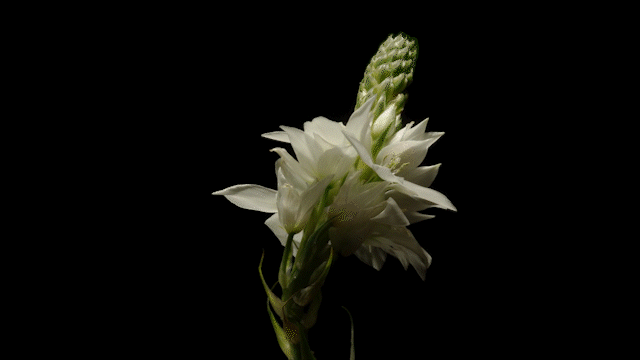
(388, 74)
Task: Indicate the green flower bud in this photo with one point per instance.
(387, 76)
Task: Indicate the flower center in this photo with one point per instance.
(394, 162)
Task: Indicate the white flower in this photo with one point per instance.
(372, 199)
(371, 225)
(398, 163)
(322, 149)
(295, 204)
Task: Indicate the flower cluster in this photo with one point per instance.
(362, 179)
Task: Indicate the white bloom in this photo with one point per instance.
(322, 149)
(372, 225)
(295, 204)
(398, 162)
(371, 205)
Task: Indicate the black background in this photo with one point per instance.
(188, 282)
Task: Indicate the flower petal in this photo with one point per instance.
(399, 242)
(305, 148)
(273, 222)
(371, 256)
(416, 133)
(277, 135)
(251, 197)
(310, 197)
(423, 175)
(329, 131)
(391, 215)
(293, 171)
(359, 122)
(415, 217)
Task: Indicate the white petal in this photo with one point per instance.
(306, 149)
(359, 122)
(273, 222)
(277, 135)
(251, 197)
(405, 201)
(371, 256)
(336, 162)
(429, 194)
(415, 217)
(287, 201)
(400, 243)
(391, 215)
(423, 175)
(293, 171)
(409, 187)
(417, 132)
(310, 198)
(329, 131)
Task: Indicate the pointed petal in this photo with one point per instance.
(287, 201)
(415, 217)
(416, 132)
(336, 161)
(391, 215)
(429, 194)
(310, 197)
(305, 148)
(371, 256)
(360, 120)
(251, 197)
(329, 131)
(292, 170)
(399, 242)
(423, 175)
(277, 135)
(273, 222)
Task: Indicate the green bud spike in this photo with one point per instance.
(387, 76)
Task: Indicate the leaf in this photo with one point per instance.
(353, 349)
(275, 301)
(286, 347)
(286, 264)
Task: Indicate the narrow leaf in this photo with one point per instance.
(285, 345)
(286, 264)
(353, 349)
(273, 299)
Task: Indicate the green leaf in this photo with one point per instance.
(286, 264)
(273, 299)
(287, 348)
(353, 349)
